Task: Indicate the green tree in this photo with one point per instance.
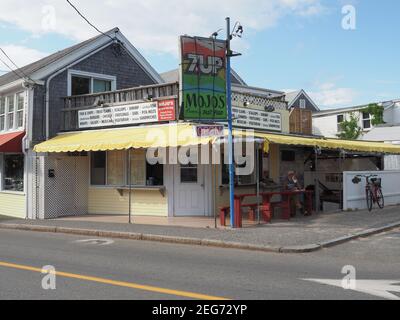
(376, 113)
(350, 130)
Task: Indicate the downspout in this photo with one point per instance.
(26, 138)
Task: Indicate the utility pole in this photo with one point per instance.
(230, 135)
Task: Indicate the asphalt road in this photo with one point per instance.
(127, 269)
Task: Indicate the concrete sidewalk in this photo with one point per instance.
(302, 234)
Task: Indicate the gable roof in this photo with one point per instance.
(291, 98)
(58, 56)
(173, 76)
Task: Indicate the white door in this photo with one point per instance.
(189, 190)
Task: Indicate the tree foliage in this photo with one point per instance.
(350, 130)
(376, 113)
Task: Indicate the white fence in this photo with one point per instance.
(354, 194)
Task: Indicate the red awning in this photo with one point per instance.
(11, 142)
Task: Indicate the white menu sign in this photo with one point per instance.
(119, 115)
(256, 119)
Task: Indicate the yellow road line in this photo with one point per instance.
(131, 285)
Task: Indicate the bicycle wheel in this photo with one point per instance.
(379, 198)
(370, 199)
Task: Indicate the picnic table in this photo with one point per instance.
(266, 206)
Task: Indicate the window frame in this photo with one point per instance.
(92, 76)
(126, 172)
(302, 103)
(339, 129)
(16, 98)
(369, 119)
(2, 173)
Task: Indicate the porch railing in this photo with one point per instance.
(73, 104)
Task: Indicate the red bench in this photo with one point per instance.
(264, 210)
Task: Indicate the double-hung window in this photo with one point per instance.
(366, 120)
(12, 111)
(20, 110)
(2, 113)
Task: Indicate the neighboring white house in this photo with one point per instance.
(388, 132)
(327, 122)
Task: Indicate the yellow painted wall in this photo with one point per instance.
(144, 202)
(12, 205)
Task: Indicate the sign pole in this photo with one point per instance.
(230, 137)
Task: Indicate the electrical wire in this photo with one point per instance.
(91, 24)
(12, 70)
(18, 68)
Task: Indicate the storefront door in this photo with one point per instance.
(189, 190)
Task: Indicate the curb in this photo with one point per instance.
(200, 242)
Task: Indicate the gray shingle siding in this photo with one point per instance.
(309, 105)
(124, 67)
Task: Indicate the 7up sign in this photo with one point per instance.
(203, 79)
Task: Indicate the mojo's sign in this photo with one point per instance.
(256, 119)
(127, 114)
(203, 78)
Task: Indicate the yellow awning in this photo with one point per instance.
(160, 136)
(324, 143)
(183, 134)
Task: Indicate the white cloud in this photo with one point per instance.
(20, 55)
(329, 95)
(150, 24)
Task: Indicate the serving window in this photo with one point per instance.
(111, 168)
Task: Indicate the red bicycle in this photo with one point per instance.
(373, 190)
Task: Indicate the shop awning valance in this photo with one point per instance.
(325, 143)
(172, 135)
(183, 134)
(11, 142)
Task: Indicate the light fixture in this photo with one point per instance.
(246, 103)
(269, 108)
(149, 97)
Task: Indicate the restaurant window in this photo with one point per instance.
(20, 110)
(13, 172)
(98, 168)
(10, 112)
(155, 174)
(239, 179)
(366, 120)
(115, 168)
(2, 113)
(138, 167)
(111, 168)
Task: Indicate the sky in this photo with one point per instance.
(342, 52)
